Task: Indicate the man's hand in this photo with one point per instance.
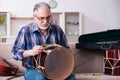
(37, 50)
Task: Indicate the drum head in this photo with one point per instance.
(59, 64)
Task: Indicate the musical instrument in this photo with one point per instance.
(109, 39)
(112, 62)
(105, 40)
(56, 62)
(7, 69)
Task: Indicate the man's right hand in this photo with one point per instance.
(36, 50)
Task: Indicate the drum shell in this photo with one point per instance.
(63, 67)
(58, 64)
(112, 62)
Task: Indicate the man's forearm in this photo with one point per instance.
(27, 53)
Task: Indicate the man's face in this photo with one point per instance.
(43, 18)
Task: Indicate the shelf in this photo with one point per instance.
(72, 26)
(4, 24)
(70, 22)
(22, 18)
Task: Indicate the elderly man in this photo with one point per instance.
(31, 37)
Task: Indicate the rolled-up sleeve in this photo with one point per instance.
(19, 45)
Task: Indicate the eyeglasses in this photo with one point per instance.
(43, 18)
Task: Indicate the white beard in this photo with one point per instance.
(43, 27)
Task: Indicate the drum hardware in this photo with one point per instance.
(38, 66)
(55, 56)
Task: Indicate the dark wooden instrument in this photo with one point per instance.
(7, 69)
(112, 62)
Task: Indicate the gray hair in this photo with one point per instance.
(41, 4)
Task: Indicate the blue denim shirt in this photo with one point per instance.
(30, 35)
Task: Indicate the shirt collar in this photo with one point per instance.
(35, 27)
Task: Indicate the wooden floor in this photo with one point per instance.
(91, 76)
(80, 76)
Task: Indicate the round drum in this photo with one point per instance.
(58, 62)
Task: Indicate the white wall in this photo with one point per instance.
(98, 15)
